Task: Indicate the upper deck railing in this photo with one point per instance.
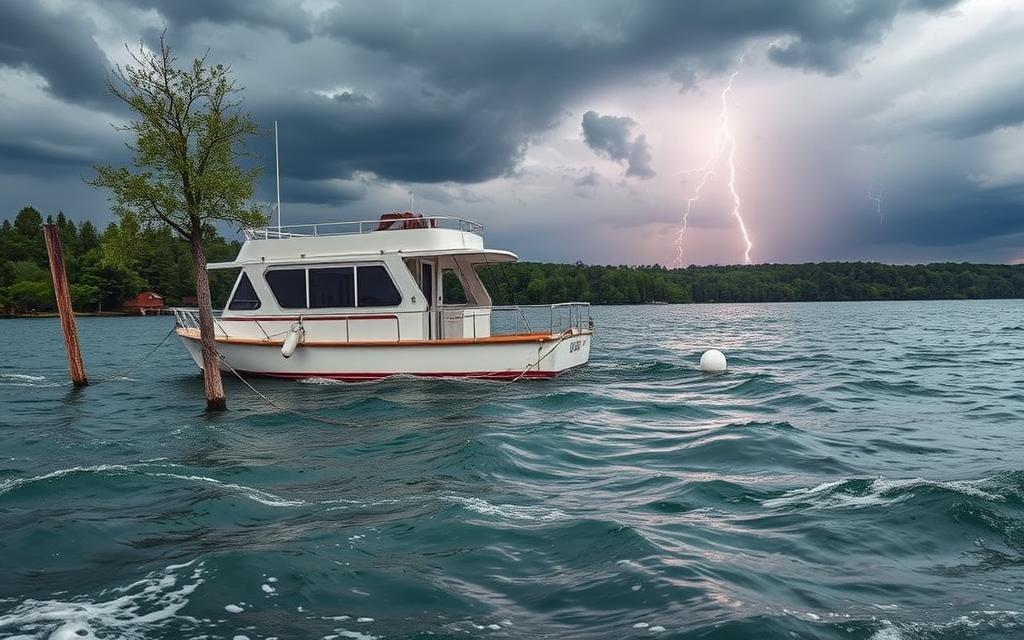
(362, 226)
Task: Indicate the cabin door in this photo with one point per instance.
(427, 281)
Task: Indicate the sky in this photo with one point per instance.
(889, 130)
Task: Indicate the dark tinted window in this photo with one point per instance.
(453, 291)
(289, 287)
(376, 288)
(331, 288)
(245, 298)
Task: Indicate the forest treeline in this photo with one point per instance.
(535, 283)
(105, 268)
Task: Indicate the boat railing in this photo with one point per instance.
(188, 318)
(503, 319)
(357, 227)
(530, 318)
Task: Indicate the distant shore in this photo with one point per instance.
(127, 314)
(84, 314)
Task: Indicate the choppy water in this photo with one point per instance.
(859, 473)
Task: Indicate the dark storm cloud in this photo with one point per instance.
(1000, 108)
(612, 138)
(488, 78)
(966, 215)
(57, 46)
(455, 92)
(400, 138)
(336, 192)
(825, 36)
(519, 66)
(288, 17)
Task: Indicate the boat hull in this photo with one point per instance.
(511, 358)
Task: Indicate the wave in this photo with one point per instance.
(26, 380)
(868, 492)
(975, 624)
(257, 495)
(132, 611)
(20, 376)
(508, 511)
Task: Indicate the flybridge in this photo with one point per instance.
(401, 233)
(356, 227)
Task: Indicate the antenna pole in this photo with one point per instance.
(277, 170)
(412, 202)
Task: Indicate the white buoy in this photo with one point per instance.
(295, 337)
(713, 361)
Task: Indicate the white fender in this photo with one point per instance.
(295, 337)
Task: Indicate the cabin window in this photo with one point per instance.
(245, 298)
(333, 287)
(376, 288)
(453, 291)
(289, 287)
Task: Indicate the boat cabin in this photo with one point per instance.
(364, 281)
(360, 300)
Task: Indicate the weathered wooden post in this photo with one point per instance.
(63, 295)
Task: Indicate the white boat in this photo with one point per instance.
(366, 300)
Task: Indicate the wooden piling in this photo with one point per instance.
(63, 294)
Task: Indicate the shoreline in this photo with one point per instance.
(126, 314)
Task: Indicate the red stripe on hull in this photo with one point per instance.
(362, 377)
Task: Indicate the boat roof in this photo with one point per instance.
(404, 234)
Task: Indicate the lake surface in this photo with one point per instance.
(858, 473)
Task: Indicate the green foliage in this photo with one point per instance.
(536, 283)
(101, 277)
(533, 283)
(188, 136)
(85, 296)
(29, 295)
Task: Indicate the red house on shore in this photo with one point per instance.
(143, 302)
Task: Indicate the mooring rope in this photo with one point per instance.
(561, 338)
(136, 365)
(278, 406)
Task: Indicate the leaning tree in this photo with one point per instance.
(189, 136)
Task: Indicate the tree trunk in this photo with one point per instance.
(211, 362)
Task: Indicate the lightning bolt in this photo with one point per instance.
(876, 198)
(724, 147)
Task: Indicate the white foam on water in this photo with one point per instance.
(364, 619)
(958, 627)
(26, 380)
(322, 381)
(132, 611)
(233, 608)
(641, 625)
(657, 628)
(508, 511)
(258, 495)
(802, 615)
(355, 635)
(269, 590)
(9, 485)
(880, 491)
